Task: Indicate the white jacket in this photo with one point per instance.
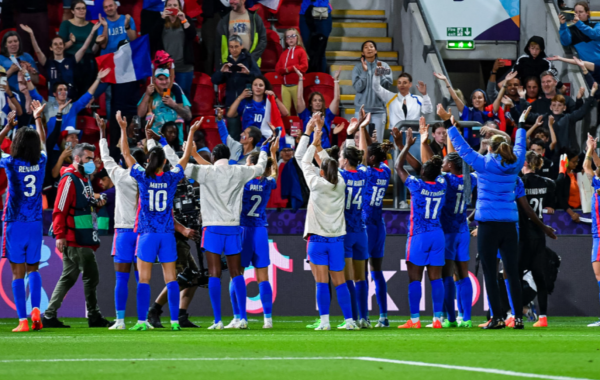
(126, 199)
(415, 105)
(325, 211)
(222, 189)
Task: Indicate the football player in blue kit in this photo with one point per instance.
(22, 236)
(426, 244)
(155, 226)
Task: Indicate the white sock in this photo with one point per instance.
(542, 316)
(22, 319)
(120, 321)
(268, 320)
(175, 322)
(435, 319)
(236, 320)
(349, 320)
(142, 322)
(415, 320)
(324, 318)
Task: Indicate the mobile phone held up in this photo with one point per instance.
(173, 11)
(507, 62)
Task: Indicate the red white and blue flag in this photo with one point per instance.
(271, 4)
(128, 64)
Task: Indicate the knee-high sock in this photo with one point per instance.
(18, 287)
(510, 301)
(214, 291)
(239, 283)
(490, 307)
(143, 300)
(266, 297)
(437, 295)
(362, 298)
(414, 298)
(323, 298)
(353, 301)
(234, 302)
(380, 292)
(343, 297)
(449, 294)
(599, 287)
(121, 293)
(173, 297)
(466, 297)
(137, 276)
(461, 310)
(35, 288)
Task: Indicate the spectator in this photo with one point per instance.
(534, 62)
(108, 189)
(174, 107)
(239, 150)
(316, 103)
(567, 188)
(239, 70)
(293, 58)
(68, 139)
(511, 100)
(212, 12)
(588, 69)
(169, 131)
(546, 135)
(532, 89)
(539, 147)
(246, 24)
(202, 148)
(583, 35)
(115, 28)
(12, 50)
(251, 106)
(62, 67)
(34, 13)
(440, 136)
(362, 77)
(151, 15)
(542, 104)
(315, 26)
(285, 155)
(176, 35)
(8, 101)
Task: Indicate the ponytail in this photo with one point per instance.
(330, 170)
(501, 147)
(156, 160)
(353, 155)
(432, 168)
(534, 160)
(380, 150)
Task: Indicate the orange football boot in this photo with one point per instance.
(36, 320)
(542, 322)
(437, 324)
(410, 325)
(510, 321)
(485, 324)
(22, 327)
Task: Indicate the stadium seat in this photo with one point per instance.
(42, 87)
(90, 133)
(341, 137)
(319, 82)
(276, 82)
(101, 105)
(211, 131)
(222, 94)
(3, 32)
(288, 15)
(264, 13)
(133, 8)
(203, 95)
(55, 13)
(272, 52)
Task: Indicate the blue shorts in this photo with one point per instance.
(255, 247)
(222, 239)
(426, 248)
(22, 242)
(156, 245)
(327, 251)
(355, 245)
(457, 246)
(124, 244)
(596, 250)
(376, 240)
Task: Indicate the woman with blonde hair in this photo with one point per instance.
(293, 58)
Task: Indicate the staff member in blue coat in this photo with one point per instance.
(583, 34)
(497, 213)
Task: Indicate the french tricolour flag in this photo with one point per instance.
(273, 115)
(128, 64)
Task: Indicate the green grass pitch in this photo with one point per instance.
(566, 350)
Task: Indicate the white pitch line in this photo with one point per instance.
(364, 358)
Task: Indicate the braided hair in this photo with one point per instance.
(458, 162)
(379, 151)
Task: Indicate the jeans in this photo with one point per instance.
(323, 27)
(184, 80)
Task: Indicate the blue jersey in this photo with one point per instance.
(355, 186)
(24, 197)
(155, 206)
(427, 201)
(256, 196)
(595, 206)
(454, 212)
(252, 113)
(378, 180)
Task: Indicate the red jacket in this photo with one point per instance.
(63, 223)
(292, 57)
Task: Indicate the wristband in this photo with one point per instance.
(163, 141)
(265, 148)
(128, 28)
(304, 134)
(300, 78)
(39, 117)
(589, 158)
(448, 123)
(12, 96)
(184, 21)
(493, 73)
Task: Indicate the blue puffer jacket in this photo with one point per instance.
(495, 182)
(585, 37)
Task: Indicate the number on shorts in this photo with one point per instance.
(252, 212)
(435, 209)
(158, 202)
(536, 205)
(357, 198)
(460, 206)
(31, 179)
(377, 197)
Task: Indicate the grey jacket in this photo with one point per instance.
(362, 83)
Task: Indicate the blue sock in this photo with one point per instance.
(437, 295)
(143, 300)
(266, 297)
(414, 298)
(461, 310)
(599, 284)
(18, 287)
(362, 297)
(490, 307)
(239, 283)
(466, 297)
(344, 299)
(121, 292)
(512, 308)
(137, 276)
(173, 297)
(354, 303)
(449, 294)
(35, 288)
(323, 298)
(234, 302)
(214, 291)
(380, 292)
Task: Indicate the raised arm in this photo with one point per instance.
(305, 139)
(81, 52)
(274, 149)
(587, 164)
(459, 104)
(399, 165)
(10, 124)
(412, 161)
(301, 105)
(125, 152)
(189, 146)
(467, 153)
(101, 75)
(38, 52)
(334, 106)
(498, 100)
(426, 151)
(233, 109)
(38, 110)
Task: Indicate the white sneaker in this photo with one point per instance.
(403, 204)
(268, 323)
(234, 324)
(364, 324)
(595, 324)
(383, 323)
(352, 326)
(118, 326)
(150, 327)
(243, 324)
(430, 325)
(459, 319)
(323, 326)
(216, 326)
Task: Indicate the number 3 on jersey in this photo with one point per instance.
(29, 183)
(158, 201)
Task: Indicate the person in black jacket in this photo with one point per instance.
(176, 35)
(533, 63)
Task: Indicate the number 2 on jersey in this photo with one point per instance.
(252, 212)
(437, 202)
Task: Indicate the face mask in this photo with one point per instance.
(89, 167)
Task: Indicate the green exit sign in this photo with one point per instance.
(460, 45)
(459, 32)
